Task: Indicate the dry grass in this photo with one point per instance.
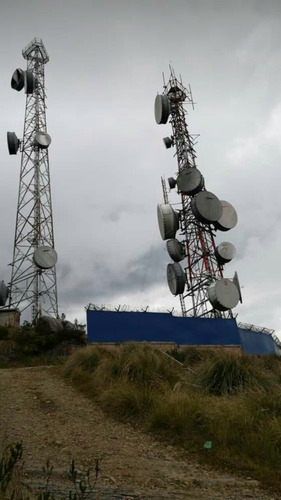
(233, 401)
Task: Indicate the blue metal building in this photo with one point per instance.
(163, 328)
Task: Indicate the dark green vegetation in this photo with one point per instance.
(232, 400)
(82, 483)
(28, 346)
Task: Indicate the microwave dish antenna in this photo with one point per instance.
(225, 252)
(13, 143)
(229, 217)
(167, 220)
(190, 181)
(175, 249)
(176, 278)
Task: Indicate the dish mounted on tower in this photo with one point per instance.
(201, 215)
(33, 279)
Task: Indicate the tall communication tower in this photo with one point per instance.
(200, 284)
(33, 278)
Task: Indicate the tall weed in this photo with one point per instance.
(228, 374)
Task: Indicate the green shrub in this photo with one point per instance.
(229, 373)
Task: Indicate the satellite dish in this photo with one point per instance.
(29, 82)
(13, 143)
(172, 182)
(176, 278)
(168, 142)
(206, 207)
(225, 252)
(45, 257)
(229, 217)
(161, 109)
(42, 140)
(223, 294)
(236, 282)
(17, 81)
(168, 221)
(190, 181)
(3, 293)
(175, 249)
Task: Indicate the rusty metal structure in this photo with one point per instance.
(197, 221)
(33, 278)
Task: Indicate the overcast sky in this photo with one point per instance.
(107, 155)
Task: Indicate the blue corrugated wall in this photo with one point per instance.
(107, 326)
(257, 343)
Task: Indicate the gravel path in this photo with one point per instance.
(55, 421)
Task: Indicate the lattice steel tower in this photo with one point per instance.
(33, 278)
(201, 281)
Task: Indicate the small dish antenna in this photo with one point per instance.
(229, 217)
(45, 257)
(13, 143)
(190, 181)
(29, 82)
(168, 220)
(42, 140)
(172, 182)
(223, 294)
(225, 252)
(22, 79)
(236, 282)
(176, 278)
(161, 109)
(168, 141)
(17, 81)
(206, 207)
(175, 249)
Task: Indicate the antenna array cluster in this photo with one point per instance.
(202, 214)
(33, 279)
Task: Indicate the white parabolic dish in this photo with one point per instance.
(161, 109)
(175, 249)
(175, 278)
(225, 252)
(229, 217)
(190, 181)
(223, 294)
(206, 207)
(42, 140)
(45, 257)
(168, 221)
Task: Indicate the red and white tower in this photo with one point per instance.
(199, 280)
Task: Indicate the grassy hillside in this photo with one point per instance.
(229, 403)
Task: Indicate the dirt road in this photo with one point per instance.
(55, 421)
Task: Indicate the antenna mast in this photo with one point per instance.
(201, 282)
(33, 279)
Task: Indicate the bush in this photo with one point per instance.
(228, 374)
